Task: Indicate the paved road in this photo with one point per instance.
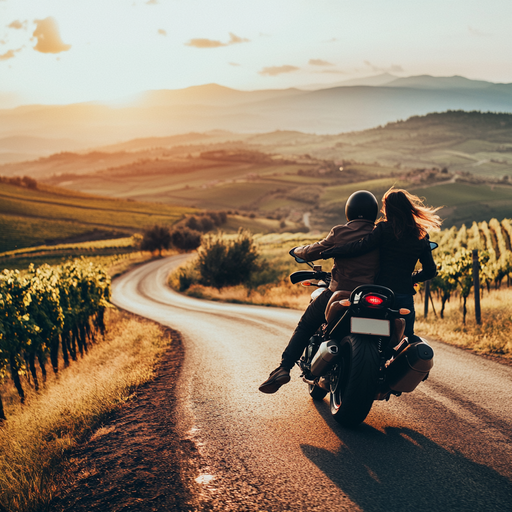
(445, 447)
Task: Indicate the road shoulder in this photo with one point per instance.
(136, 461)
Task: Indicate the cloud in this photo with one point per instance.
(9, 54)
(204, 43)
(210, 43)
(335, 71)
(320, 62)
(152, 2)
(234, 64)
(17, 24)
(233, 39)
(277, 70)
(394, 68)
(48, 37)
(162, 31)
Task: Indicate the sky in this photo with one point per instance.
(68, 51)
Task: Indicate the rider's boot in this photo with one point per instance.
(276, 379)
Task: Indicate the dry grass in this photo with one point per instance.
(283, 295)
(491, 337)
(35, 438)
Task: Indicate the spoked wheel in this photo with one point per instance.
(354, 379)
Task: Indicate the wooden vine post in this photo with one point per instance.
(427, 295)
(476, 286)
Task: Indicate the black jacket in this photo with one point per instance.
(397, 257)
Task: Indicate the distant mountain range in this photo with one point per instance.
(345, 107)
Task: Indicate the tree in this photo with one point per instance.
(156, 238)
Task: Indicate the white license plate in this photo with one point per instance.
(369, 326)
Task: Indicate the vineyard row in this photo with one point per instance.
(46, 311)
(454, 260)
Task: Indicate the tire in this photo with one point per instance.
(316, 392)
(354, 380)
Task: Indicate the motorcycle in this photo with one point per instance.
(360, 354)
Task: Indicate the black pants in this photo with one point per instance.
(407, 301)
(311, 320)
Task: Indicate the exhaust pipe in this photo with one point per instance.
(410, 367)
(322, 360)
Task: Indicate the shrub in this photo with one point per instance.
(206, 221)
(185, 239)
(156, 239)
(227, 263)
(193, 223)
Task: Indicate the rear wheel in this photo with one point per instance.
(354, 379)
(316, 392)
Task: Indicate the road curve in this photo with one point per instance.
(445, 447)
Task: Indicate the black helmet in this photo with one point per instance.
(362, 205)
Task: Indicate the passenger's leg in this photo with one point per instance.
(407, 301)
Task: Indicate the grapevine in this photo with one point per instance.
(454, 259)
(46, 310)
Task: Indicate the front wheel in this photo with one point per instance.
(354, 379)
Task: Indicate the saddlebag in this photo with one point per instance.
(410, 367)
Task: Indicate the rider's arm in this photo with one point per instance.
(428, 266)
(366, 244)
(312, 252)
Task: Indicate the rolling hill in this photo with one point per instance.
(49, 215)
(333, 110)
(462, 160)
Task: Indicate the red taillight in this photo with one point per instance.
(374, 300)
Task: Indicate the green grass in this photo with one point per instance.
(466, 202)
(31, 217)
(340, 193)
(475, 146)
(286, 179)
(228, 195)
(256, 225)
(17, 232)
(454, 194)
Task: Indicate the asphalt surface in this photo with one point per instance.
(445, 447)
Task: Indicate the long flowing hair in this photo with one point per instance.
(408, 215)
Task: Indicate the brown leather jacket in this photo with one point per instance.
(347, 273)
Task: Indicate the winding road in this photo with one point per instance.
(445, 447)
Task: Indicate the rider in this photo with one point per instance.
(402, 240)
(361, 211)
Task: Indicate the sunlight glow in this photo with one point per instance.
(108, 50)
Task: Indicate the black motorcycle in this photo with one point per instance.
(360, 355)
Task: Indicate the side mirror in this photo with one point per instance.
(296, 258)
(433, 246)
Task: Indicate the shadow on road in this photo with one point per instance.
(402, 470)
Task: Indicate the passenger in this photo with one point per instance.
(402, 240)
(361, 211)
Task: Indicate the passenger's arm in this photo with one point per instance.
(367, 244)
(428, 266)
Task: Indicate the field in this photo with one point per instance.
(461, 160)
(50, 215)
